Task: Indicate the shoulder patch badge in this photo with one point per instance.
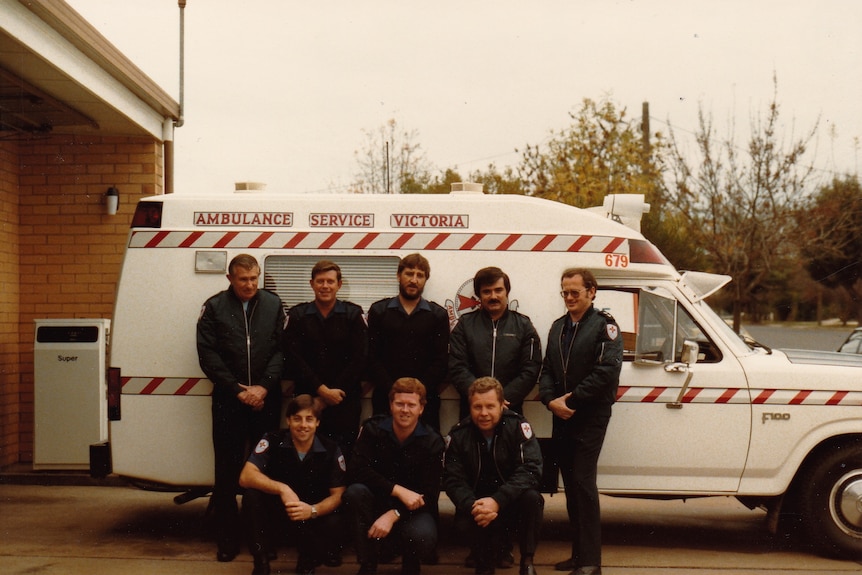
(526, 429)
(262, 446)
(341, 463)
(613, 331)
(447, 440)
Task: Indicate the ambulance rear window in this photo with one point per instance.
(643, 252)
(148, 215)
(366, 279)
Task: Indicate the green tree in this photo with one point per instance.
(600, 153)
(739, 206)
(831, 228)
(392, 161)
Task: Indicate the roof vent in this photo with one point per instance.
(466, 188)
(249, 187)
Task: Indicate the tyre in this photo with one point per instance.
(831, 500)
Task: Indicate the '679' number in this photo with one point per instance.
(617, 260)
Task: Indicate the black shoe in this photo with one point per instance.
(470, 561)
(527, 569)
(333, 559)
(305, 565)
(261, 566)
(506, 560)
(588, 570)
(567, 565)
(484, 571)
(367, 569)
(226, 555)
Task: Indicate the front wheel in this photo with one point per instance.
(831, 500)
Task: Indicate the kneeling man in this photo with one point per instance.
(294, 474)
(394, 482)
(493, 467)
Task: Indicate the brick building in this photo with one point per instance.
(76, 117)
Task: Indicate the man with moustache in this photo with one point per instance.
(493, 465)
(394, 482)
(580, 377)
(296, 476)
(325, 343)
(239, 338)
(495, 341)
(408, 336)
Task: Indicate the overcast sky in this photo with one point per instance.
(280, 91)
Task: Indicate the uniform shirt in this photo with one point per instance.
(311, 477)
(402, 345)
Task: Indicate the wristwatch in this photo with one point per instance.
(397, 513)
(313, 512)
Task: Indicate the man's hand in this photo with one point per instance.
(330, 396)
(252, 396)
(485, 510)
(410, 499)
(559, 408)
(298, 510)
(383, 526)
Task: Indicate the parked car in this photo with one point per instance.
(853, 343)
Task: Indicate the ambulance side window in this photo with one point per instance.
(663, 327)
(366, 279)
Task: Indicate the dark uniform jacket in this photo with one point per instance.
(516, 457)
(327, 351)
(589, 368)
(401, 345)
(508, 350)
(380, 462)
(235, 348)
(322, 469)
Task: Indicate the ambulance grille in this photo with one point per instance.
(366, 279)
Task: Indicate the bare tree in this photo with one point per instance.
(391, 162)
(740, 205)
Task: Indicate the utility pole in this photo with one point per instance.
(645, 128)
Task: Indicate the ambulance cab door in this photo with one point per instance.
(682, 419)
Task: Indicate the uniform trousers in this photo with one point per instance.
(524, 516)
(578, 447)
(414, 534)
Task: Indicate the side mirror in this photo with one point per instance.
(690, 352)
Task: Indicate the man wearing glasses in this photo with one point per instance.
(579, 381)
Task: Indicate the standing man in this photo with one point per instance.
(493, 467)
(294, 475)
(496, 342)
(326, 344)
(239, 334)
(408, 336)
(394, 482)
(579, 383)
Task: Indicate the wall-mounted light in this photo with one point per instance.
(112, 200)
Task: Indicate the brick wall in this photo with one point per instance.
(70, 250)
(10, 350)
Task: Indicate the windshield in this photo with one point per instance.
(725, 331)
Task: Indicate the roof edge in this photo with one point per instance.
(80, 33)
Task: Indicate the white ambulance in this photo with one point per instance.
(700, 412)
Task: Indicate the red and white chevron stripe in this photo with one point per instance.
(379, 241)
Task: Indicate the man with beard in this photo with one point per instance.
(408, 336)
